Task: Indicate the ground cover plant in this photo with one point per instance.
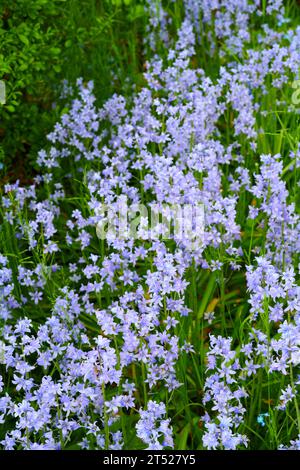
(154, 340)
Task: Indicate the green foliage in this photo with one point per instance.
(43, 42)
(29, 62)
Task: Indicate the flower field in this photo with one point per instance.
(160, 338)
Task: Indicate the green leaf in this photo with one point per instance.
(55, 50)
(136, 12)
(207, 294)
(182, 442)
(23, 67)
(24, 39)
